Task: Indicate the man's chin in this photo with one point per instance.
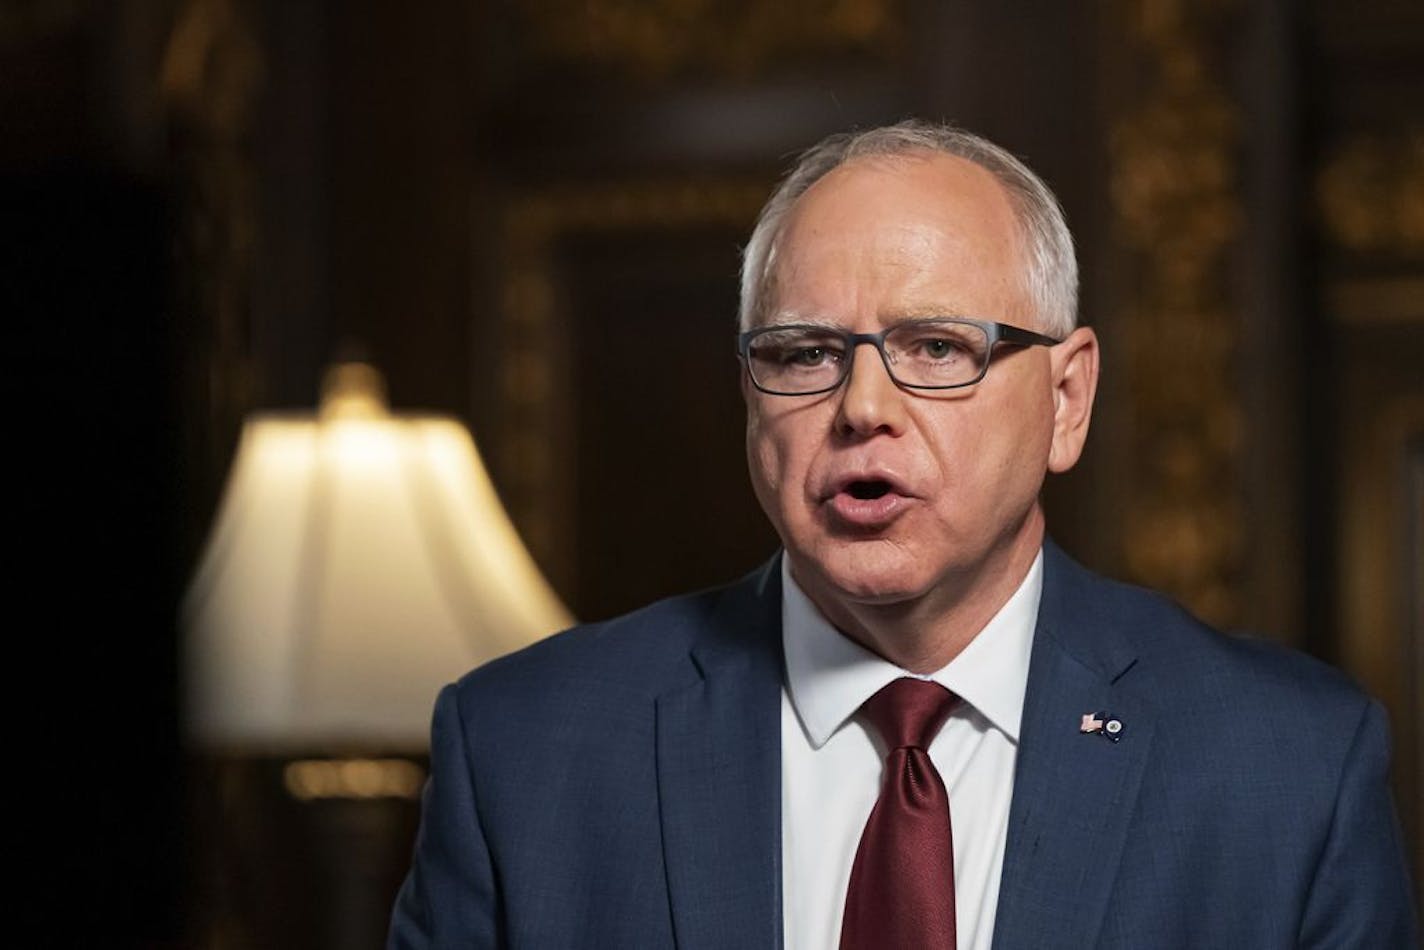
(852, 579)
(878, 594)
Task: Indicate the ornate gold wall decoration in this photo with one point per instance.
(1176, 214)
(655, 38)
(537, 480)
(1370, 194)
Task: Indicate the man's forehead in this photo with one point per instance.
(895, 197)
(924, 225)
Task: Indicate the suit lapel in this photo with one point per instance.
(1074, 793)
(719, 776)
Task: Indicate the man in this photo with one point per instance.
(922, 724)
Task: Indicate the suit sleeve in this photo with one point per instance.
(1361, 895)
(448, 898)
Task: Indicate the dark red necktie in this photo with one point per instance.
(901, 893)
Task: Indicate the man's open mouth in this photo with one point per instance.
(867, 504)
(868, 490)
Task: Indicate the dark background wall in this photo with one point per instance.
(203, 201)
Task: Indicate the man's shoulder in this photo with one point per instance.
(634, 656)
(1240, 666)
(647, 635)
(1208, 675)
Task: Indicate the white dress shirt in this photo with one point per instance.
(831, 769)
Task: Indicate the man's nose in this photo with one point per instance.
(871, 402)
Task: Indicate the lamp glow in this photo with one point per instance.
(359, 561)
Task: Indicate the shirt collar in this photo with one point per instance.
(829, 675)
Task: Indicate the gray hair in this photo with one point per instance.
(1052, 269)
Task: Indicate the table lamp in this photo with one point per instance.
(359, 560)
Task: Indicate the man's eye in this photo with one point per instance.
(939, 349)
(808, 356)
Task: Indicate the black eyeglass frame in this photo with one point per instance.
(996, 332)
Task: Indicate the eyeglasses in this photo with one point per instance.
(938, 353)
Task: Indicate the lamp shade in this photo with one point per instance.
(359, 561)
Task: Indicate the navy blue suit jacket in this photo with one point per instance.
(618, 785)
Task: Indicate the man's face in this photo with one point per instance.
(880, 494)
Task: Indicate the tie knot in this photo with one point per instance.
(909, 712)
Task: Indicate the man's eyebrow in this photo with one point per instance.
(927, 311)
(897, 316)
(785, 317)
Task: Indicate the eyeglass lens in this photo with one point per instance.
(923, 353)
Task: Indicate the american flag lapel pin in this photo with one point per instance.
(1102, 724)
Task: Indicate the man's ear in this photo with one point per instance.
(1075, 381)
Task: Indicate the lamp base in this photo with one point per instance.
(302, 852)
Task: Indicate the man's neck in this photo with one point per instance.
(923, 634)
